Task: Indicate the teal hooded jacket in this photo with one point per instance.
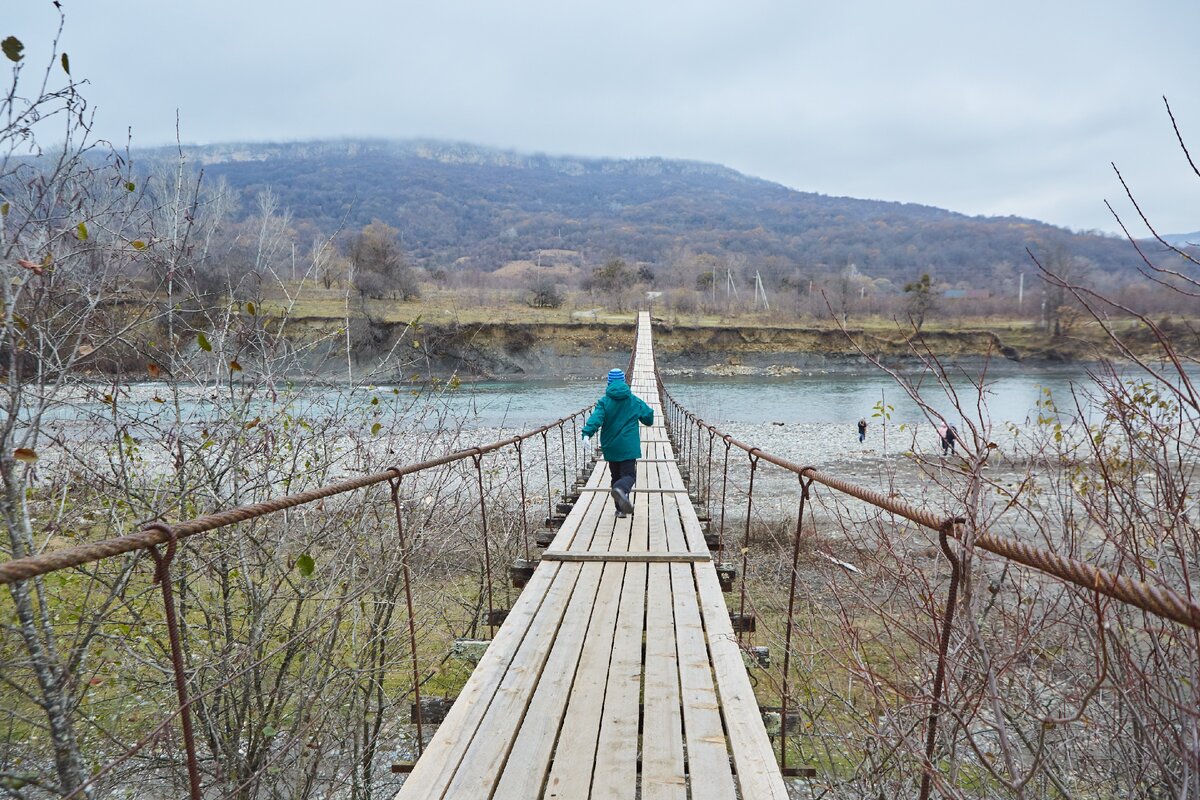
(616, 416)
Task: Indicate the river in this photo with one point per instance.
(813, 398)
(806, 418)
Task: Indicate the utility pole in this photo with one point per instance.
(349, 351)
(1021, 292)
(760, 291)
(730, 286)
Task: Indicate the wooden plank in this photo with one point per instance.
(663, 760)
(570, 775)
(662, 557)
(616, 773)
(658, 533)
(662, 453)
(636, 490)
(708, 756)
(497, 730)
(758, 772)
(640, 521)
(672, 524)
(578, 518)
(616, 770)
(693, 534)
(672, 521)
(528, 762)
(435, 769)
(575, 754)
(663, 771)
(457, 732)
(586, 525)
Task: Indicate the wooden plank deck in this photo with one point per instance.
(617, 673)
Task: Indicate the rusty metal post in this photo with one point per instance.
(694, 451)
(575, 444)
(562, 443)
(546, 456)
(680, 432)
(686, 432)
(685, 435)
(524, 511)
(162, 576)
(412, 623)
(662, 401)
(712, 434)
(693, 462)
(746, 536)
(487, 550)
(724, 487)
(940, 675)
(805, 484)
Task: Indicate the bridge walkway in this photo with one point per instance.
(617, 673)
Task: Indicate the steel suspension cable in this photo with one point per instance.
(150, 535)
(1159, 600)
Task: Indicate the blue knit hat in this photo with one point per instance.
(616, 375)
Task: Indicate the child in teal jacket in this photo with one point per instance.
(616, 416)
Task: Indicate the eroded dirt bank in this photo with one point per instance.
(561, 350)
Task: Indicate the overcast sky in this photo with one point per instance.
(984, 108)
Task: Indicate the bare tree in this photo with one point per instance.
(58, 259)
(378, 264)
(920, 299)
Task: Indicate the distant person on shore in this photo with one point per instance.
(949, 437)
(941, 432)
(862, 431)
(617, 414)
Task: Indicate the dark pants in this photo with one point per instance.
(624, 473)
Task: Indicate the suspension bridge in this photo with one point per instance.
(618, 671)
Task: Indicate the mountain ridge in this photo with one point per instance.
(462, 205)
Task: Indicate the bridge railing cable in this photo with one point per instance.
(1159, 600)
(152, 535)
(688, 430)
(163, 541)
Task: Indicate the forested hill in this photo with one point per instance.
(469, 205)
